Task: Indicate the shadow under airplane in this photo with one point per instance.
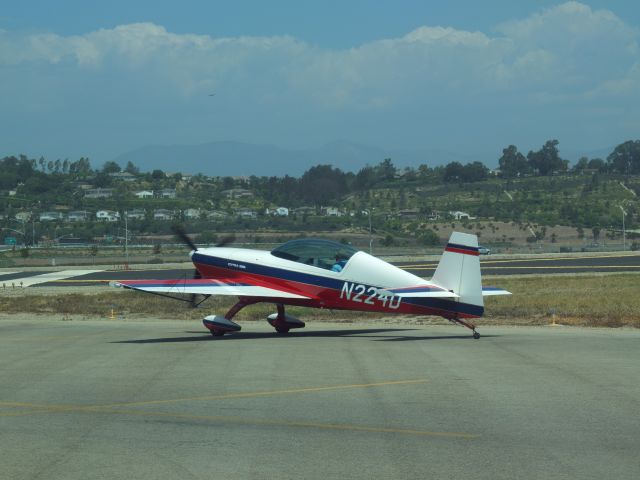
(372, 332)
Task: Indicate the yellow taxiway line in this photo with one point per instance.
(118, 409)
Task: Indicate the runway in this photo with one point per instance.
(115, 399)
(609, 263)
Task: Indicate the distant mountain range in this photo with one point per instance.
(229, 158)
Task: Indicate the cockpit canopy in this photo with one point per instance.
(314, 251)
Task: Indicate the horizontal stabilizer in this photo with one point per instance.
(206, 286)
(422, 291)
(489, 291)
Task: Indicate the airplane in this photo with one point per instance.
(319, 273)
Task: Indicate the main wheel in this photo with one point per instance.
(217, 333)
(476, 335)
(282, 330)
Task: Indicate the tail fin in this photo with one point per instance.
(459, 270)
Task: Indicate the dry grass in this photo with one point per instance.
(586, 300)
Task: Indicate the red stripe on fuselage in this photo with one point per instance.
(321, 297)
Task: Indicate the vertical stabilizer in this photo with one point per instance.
(459, 269)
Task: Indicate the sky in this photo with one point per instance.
(98, 79)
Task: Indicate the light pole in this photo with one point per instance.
(624, 233)
(370, 237)
(24, 230)
(126, 240)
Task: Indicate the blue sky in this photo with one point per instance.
(98, 79)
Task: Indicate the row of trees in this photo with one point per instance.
(625, 159)
(320, 185)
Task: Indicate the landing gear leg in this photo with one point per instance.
(218, 325)
(283, 322)
(469, 325)
(280, 324)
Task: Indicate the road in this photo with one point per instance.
(609, 263)
(155, 400)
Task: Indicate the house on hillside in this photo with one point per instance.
(98, 193)
(162, 214)
(144, 194)
(237, 193)
(332, 212)
(277, 212)
(107, 216)
(409, 213)
(192, 213)
(457, 215)
(216, 215)
(124, 176)
(23, 216)
(246, 213)
(135, 214)
(78, 216)
(305, 211)
(166, 193)
(51, 216)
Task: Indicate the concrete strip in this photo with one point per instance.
(54, 276)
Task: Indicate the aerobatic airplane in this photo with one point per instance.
(325, 274)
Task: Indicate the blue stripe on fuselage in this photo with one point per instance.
(333, 283)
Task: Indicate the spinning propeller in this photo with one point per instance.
(182, 235)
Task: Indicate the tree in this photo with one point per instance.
(322, 184)
(547, 160)
(475, 172)
(453, 172)
(430, 238)
(581, 164)
(471, 172)
(157, 174)
(625, 158)
(386, 170)
(513, 163)
(131, 168)
(596, 164)
(111, 167)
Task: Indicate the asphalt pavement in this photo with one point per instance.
(605, 263)
(154, 400)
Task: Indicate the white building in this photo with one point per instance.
(192, 213)
(144, 194)
(162, 214)
(107, 216)
(460, 215)
(136, 214)
(332, 212)
(23, 216)
(167, 193)
(78, 216)
(98, 193)
(246, 213)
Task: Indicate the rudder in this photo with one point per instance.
(459, 269)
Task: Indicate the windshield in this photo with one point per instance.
(319, 253)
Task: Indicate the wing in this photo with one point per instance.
(488, 291)
(434, 291)
(423, 291)
(206, 286)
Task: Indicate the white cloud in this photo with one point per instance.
(561, 54)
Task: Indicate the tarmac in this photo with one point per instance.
(114, 399)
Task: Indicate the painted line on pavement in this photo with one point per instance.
(54, 276)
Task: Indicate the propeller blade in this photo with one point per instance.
(226, 241)
(180, 233)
